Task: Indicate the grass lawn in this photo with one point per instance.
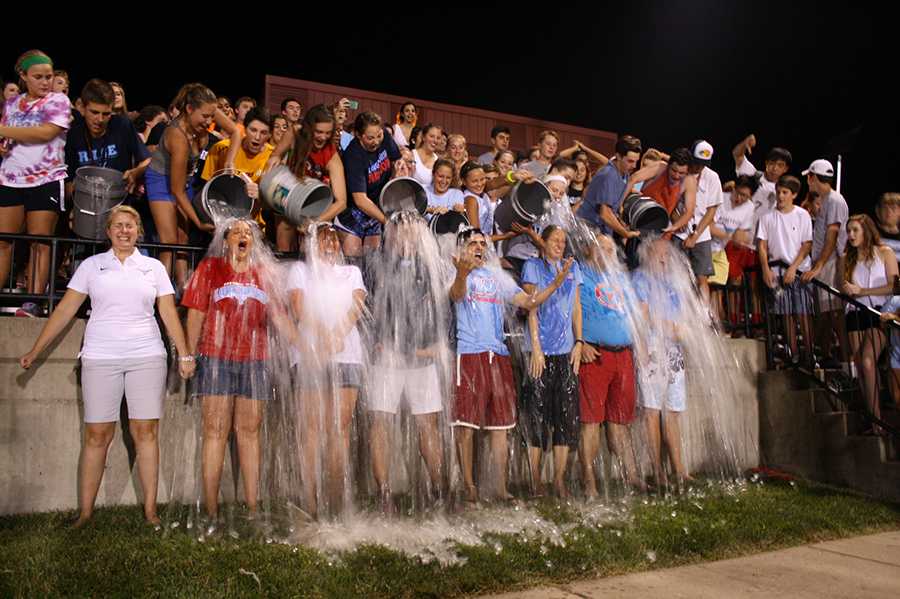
(120, 556)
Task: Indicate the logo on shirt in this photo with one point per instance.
(379, 167)
(484, 289)
(241, 293)
(609, 297)
(107, 153)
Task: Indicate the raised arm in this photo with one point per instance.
(744, 147)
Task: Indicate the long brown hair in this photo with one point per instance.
(866, 250)
(304, 137)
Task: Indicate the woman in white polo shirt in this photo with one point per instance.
(122, 352)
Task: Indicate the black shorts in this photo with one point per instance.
(49, 197)
(863, 320)
(550, 413)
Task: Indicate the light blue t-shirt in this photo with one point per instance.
(603, 300)
(346, 138)
(479, 315)
(555, 314)
(893, 305)
(651, 290)
(447, 200)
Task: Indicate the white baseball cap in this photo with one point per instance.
(703, 151)
(820, 167)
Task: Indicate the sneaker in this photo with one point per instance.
(29, 310)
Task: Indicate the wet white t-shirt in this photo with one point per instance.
(328, 296)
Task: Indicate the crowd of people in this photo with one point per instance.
(375, 307)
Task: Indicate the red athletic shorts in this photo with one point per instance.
(607, 388)
(739, 258)
(485, 392)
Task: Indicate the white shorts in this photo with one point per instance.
(142, 380)
(420, 386)
(828, 275)
(664, 385)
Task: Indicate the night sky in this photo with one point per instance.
(796, 74)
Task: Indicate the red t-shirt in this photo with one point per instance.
(235, 306)
(318, 160)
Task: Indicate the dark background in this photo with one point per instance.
(814, 79)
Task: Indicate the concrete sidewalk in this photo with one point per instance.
(861, 567)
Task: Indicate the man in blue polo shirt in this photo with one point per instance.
(604, 194)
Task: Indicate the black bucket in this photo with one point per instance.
(224, 196)
(449, 222)
(97, 191)
(525, 203)
(403, 193)
(644, 214)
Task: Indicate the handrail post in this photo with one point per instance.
(51, 300)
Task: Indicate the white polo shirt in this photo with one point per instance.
(709, 194)
(123, 298)
(785, 234)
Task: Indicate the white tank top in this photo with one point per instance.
(422, 174)
(868, 275)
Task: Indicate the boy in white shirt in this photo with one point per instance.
(785, 234)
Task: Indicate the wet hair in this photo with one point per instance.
(779, 154)
(303, 138)
(194, 95)
(866, 250)
(680, 157)
(441, 162)
(550, 230)
(364, 120)
(285, 102)
(749, 181)
(257, 113)
(147, 114)
(497, 130)
(789, 182)
(467, 168)
(98, 92)
(628, 143)
(466, 233)
(122, 208)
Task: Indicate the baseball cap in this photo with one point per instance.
(702, 152)
(820, 167)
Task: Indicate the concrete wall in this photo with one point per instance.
(41, 424)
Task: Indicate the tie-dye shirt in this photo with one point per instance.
(31, 165)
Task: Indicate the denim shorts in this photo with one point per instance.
(244, 378)
(358, 223)
(158, 188)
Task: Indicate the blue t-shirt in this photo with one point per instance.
(369, 172)
(555, 314)
(607, 188)
(893, 305)
(650, 289)
(119, 148)
(479, 315)
(346, 138)
(603, 300)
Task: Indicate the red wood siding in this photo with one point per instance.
(473, 123)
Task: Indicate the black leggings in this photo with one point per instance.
(550, 412)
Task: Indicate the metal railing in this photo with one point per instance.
(849, 367)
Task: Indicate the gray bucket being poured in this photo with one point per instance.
(525, 203)
(224, 196)
(403, 193)
(296, 200)
(97, 191)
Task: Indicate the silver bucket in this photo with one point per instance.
(97, 191)
(642, 213)
(292, 198)
(403, 193)
(525, 203)
(448, 222)
(224, 196)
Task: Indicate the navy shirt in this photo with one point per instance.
(607, 188)
(119, 148)
(368, 172)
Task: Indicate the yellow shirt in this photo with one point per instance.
(252, 166)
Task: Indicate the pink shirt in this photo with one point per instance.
(32, 165)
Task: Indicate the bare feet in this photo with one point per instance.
(82, 520)
(560, 490)
(152, 518)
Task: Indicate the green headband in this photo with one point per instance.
(32, 60)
